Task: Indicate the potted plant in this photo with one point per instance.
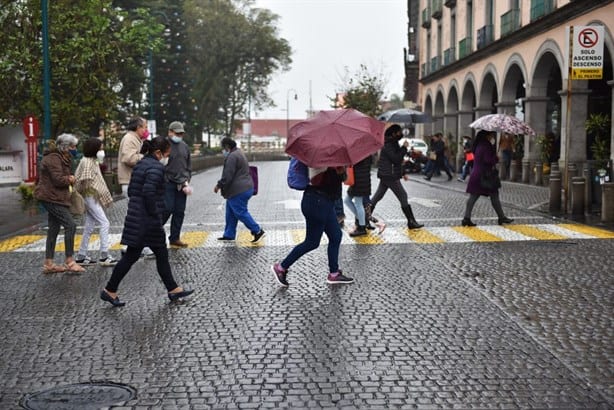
(598, 127)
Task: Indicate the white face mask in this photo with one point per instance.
(164, 161)
(493, 140)
(100, 156)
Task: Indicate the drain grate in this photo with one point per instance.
(78, 396)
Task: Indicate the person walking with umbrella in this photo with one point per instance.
(390, 172)
(483, 180)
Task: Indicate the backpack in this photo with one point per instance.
(298, 175)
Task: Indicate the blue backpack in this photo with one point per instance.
(298, 175)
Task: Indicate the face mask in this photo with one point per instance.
(493, 140)
(145, 135)
(176, 139)
(164, 161)
(100, 156)
(225, 153)
(73, 152)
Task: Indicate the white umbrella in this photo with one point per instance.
(502, 123)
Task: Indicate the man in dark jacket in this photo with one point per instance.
(390, 172)
(177, 175)
(438, 147)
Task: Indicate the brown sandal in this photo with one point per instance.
(74, 267)
(53, 268)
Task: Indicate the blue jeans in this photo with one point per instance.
(236, 210)
(356, 205)
(175, 205)
(320, 218)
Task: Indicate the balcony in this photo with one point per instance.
(449, 56)
(435, 63)
(464, 47)
(540, 8)
(436, 9)
(426, 18)
(510, 22)
(450, 3)
(485, 36)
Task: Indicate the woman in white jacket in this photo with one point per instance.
(91, 185)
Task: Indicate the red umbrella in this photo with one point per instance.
(335, 138)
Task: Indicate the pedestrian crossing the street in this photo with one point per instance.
(392, 235)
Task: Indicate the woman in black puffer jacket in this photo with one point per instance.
(390, 172)
(143, 225)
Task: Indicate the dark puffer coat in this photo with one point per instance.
(143, 225)
(390, 164)
(362, 178)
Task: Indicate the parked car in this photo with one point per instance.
(416, 143)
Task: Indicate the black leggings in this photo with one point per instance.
(395, 186)
(131, 256)
(494, 200)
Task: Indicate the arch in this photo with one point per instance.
(439, 110)
(488, 94)
(513, 91)
(468, 96)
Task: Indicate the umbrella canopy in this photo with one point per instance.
(335, 138)
(405, 116)
(502, 123)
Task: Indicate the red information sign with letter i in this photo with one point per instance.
(31, 129)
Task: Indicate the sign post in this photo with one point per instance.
(31, 129)
(584, 62)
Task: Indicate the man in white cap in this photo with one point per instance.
(178, 172)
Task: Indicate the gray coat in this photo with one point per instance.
(236, 178)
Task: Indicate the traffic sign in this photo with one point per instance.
(31, 127)
(586, 57)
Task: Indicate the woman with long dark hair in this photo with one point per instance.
(143, 225)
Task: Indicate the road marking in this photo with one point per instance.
(392, 235)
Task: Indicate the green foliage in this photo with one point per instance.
(96, 54)
(236, 50)
(363, 92)
(599, 126)
(545, 144)
(27, 193)
(518, 147)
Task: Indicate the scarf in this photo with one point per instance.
(89, 181)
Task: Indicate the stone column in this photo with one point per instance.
(451, 126)
(535, 115)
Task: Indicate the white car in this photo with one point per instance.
(416, 144)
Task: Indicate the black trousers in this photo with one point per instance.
(395, 186)
(131, 256)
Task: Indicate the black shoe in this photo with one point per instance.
(178, 295)
(359, 231)
(467, 222)
(257, 236)
(224, 238)
(505, 220)
(370, 227)
(338, 278)
(414, 225)
(107, 298)
(427, 178)
(449, 177)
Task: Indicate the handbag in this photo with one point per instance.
(253, 172)
(489, 180)
(349, 176)
(433, 155)
(77, 203)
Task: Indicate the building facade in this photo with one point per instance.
(479, 57)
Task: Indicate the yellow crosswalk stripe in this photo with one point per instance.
(194, 239)
(534, 232)
(422, 236)
(477, 234)
(589, 230)
(19, 241)
(370, 239)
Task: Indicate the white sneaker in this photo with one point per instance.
(108, 261)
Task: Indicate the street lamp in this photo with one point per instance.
(288, 110)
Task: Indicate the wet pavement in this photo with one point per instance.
(478, 323)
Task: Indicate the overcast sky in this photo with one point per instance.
(328, 35)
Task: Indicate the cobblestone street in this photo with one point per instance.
(473, 323)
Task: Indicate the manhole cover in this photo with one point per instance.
(79, 396)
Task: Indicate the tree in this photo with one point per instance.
(363, 91)
(236, 50)
(96, 59)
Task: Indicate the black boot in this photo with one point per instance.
(359, 231)
(411, 221)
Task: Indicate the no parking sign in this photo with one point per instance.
(586, 56)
